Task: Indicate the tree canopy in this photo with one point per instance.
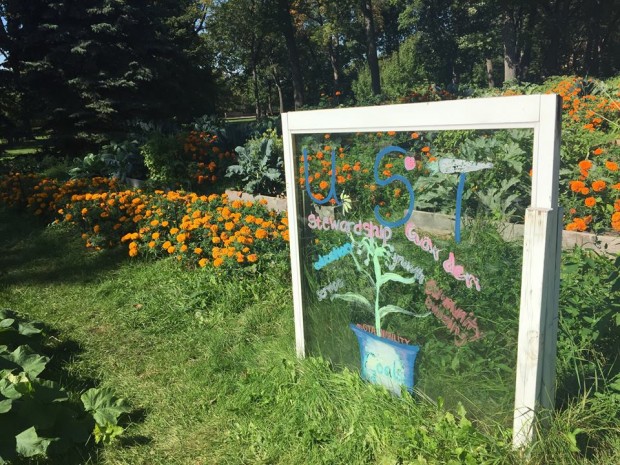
(83, 70)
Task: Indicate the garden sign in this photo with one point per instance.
(405, 261)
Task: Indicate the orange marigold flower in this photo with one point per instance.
(576, 186)
(426, 149)
(218, 262)
(166, 245)
(181, 237)
(585, 165)
(260, 233)
(590, 201)
(202, 262)
(252, 258)
(171, 249)
(584, 191)
(327, 136)
(598, 151)
(599, 185)
(611, 165)
(323, 184)
(415, 135)
(580, 224)
(152, 244)
(391, 133)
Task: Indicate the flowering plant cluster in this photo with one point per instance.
(595, 195)
(352, 175)
(207, 159)
(197, 229)
(590, 187)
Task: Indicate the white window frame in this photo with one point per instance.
(538, 314)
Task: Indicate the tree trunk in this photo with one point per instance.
(371, 46)
(293, 55)
(489, 66)
(256, 93)
(509, 38)
(333, 59)
(279, 87)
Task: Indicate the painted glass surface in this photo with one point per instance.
(411, 273)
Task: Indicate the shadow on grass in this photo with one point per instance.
(35, 253)
(62, 352)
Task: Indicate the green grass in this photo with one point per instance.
(207, 362)
(241, 119)
(21, 151)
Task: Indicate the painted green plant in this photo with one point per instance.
(371, 254)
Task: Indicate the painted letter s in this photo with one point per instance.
(391, 179)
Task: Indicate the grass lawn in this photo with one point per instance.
(207, 362)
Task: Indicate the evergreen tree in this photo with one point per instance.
(95, 65)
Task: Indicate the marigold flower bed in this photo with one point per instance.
(198, 230)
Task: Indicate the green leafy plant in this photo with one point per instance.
(38, 417)
(106, 409)
(92, 165)
(260, 164)
(163, 157)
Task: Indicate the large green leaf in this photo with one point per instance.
(6, 323)
(30, 328)
(15, 386)
(352, 297)
(5, 405)
(104, 405)
(30, 362)
(29, 444)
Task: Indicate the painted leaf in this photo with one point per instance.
(29, 444)
(396, 277)
(352, 297)
(387, 309)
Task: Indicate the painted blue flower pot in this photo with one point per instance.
(385, 362)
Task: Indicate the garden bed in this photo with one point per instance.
(439, 223)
